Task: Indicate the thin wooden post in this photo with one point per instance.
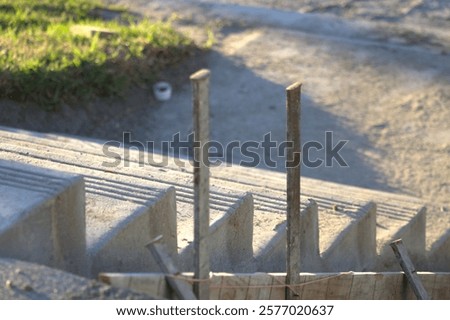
(166, 264)
(410, 271)
(293, 162)
(200, 88)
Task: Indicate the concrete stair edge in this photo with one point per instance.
(230, 242)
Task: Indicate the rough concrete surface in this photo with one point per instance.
(120, 246)
(42, 216)
(230, 240)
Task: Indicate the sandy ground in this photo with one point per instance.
(375, 73)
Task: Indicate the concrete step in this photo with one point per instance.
(118, 230)
(350, 233)
(355, 246)
(119, 201)
(42, 216)
(134, 186)
(396, 215)
(269, 256)
(123, 211)
(439, 255)
(413, 236)
(230, 241)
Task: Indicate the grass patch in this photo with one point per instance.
(44, 61)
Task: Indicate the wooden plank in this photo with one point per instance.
(259, 287)
(410, 271)
(387, 286)
(200, 89)
(314, 286)
(339, 287)
(265, 290)
(278, 291)
(235, 287)
(441, 289)
(362, 287)
(215, 285)
(293, 161)
(428, 282)
(182, 289)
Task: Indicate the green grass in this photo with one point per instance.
(43, 61)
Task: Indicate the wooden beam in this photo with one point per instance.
(410, 271)
(166, 264)
(200, 88)
(293, 163)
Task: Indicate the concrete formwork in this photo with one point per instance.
(42, 216)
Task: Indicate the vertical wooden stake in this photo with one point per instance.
(200, 88)
(293, 162)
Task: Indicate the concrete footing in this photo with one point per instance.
(42, 216)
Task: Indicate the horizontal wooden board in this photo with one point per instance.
(313, 286)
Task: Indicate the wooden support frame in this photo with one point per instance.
(200, 90)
